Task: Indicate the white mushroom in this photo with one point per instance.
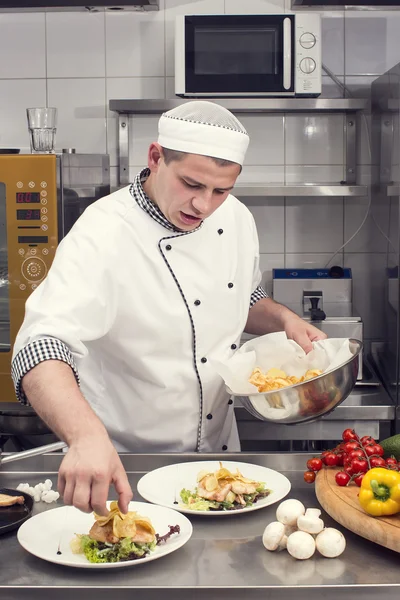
(283, 543)
(330, 542)
(289, 529)
(310, 523)
(273, 536)
(315, 512)
(289, 511)
(301, 545)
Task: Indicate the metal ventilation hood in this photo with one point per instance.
(77, 5)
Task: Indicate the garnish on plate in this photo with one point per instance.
(119, 537)
(222, 491)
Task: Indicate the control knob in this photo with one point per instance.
(307, 40)
(307, 65)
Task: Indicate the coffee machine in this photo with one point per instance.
(41, 197)
(322, 297)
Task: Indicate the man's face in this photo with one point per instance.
(190, 190)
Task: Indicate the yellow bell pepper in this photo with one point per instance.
(380, 492)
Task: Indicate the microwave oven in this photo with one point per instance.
(248, 55)
(41, 197)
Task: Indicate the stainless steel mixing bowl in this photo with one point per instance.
(309, 400)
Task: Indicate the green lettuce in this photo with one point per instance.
(97, 552)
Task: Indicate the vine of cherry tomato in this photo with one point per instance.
(355, 455)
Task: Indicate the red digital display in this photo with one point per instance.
(28, 198)
(28, 214)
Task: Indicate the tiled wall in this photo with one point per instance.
(78, 61)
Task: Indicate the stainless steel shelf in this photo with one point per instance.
(334, 190)
(349, 106)
(244, 105)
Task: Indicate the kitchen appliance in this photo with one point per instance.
(248, 55)
(324, 298)
(69, 5)
(41, 197)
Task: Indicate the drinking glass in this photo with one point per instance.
(42, 124)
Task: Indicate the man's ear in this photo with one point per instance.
(154, 156)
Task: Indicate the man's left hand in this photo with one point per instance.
(303, 333)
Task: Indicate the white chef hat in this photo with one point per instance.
(206, 128)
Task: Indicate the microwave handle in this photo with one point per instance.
(287, 53)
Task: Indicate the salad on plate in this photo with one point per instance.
(119, 537)
(223, 490)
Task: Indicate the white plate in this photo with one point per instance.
(42, 534)
(163, 486)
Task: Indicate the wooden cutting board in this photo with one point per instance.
(342, 504)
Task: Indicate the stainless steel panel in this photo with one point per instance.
(123, 148)
(223, 560)
(76, 5)
(249, 105)
(334, 292)
(351, 148)
(83, 179)
(386, 215)
(261, 189)
(318, 431)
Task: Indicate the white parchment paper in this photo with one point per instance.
(275, 350)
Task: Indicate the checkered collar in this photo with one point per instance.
(138, 193)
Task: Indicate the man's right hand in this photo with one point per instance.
(85, 475)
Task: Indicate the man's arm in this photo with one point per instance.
(267, 316)
(92, 462)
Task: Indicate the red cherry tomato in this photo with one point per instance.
(392, 462)
(342, 478)
(377, 461)
(369, 449)
(314, 464)
(350, 446)
(340, 458)
(331, 460)
(324, 454)
(348, 435)
(309, 476)
(379, 450)
(367, 439)
(358, 479)
(359, 465)
(356, 454)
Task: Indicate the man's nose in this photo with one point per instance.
(202, 201)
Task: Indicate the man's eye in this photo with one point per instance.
(189, 185)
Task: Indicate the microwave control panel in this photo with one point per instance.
(308, 53)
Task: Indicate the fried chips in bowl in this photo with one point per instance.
(276, 379)
(301, 387)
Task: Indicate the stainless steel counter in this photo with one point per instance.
(224, 558)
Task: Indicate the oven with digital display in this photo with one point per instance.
(41, 197)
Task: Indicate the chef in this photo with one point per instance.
(151, 284)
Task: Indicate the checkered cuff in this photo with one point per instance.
(257, 295)
(35, 353)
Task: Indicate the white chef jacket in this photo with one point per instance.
(138, 311)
